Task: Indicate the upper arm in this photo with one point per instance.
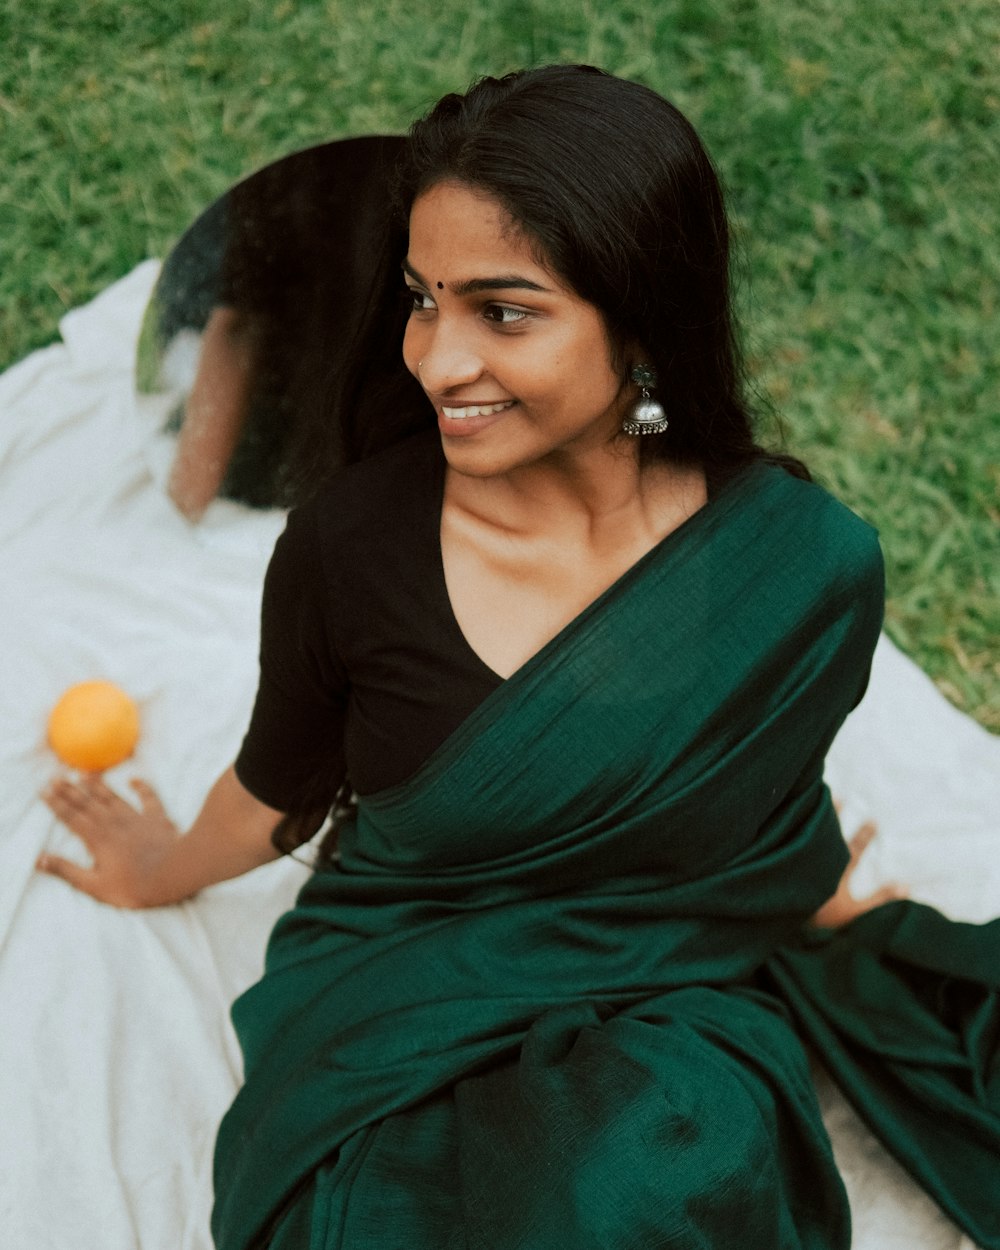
(292, 755)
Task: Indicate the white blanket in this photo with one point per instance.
(116, 1053)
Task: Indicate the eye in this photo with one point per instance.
(418, 301)
(503, 314)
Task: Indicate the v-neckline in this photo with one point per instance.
(436, 520)
(505, 688)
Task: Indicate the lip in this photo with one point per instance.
(458, 427)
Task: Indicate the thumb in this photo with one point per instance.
(887, 894)
(73, 874)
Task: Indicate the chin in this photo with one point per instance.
(473, 462)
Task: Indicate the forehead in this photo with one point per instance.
(458, 232)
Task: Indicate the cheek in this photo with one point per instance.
(586, 367)
(412, 350)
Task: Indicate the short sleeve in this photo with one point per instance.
(292, 757)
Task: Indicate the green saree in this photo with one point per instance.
(553, 993)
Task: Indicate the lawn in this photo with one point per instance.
(859, 140)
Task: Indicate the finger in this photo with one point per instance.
(861, 840)
(887, 894)
(64, 790)
(109, 803)
(148, 797)
(76, 810)
(838, 806)
(74, 874)
(97, 791)
(73, 794)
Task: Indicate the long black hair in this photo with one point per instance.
(615, 190)
(613, 186)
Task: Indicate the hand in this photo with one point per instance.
(127, 844)
(843, 907)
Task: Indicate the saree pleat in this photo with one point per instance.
(537, 1003)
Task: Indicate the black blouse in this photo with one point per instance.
(364, 670)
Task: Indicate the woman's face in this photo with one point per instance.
(517, 366)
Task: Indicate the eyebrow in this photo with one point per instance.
(503, 282)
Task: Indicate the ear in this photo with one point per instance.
(626, 355)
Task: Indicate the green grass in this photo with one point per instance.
(859, 140)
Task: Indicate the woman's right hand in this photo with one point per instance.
(128, 845)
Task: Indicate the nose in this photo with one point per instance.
(443, 357)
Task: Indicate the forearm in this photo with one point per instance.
(138, 857)
(230, 836)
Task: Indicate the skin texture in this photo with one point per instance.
(545, 502)
(843, 907)
(544, 350)
(545, 506)
(215, 413)
(139, 858)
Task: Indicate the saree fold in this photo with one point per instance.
(904, 1008)
(540, 1000)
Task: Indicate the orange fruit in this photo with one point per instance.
(95, 725)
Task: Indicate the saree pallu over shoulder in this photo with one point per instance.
(525, 1008)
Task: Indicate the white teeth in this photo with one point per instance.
(475, 410)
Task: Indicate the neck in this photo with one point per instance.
(602, 493)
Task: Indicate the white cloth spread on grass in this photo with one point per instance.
(116, 1054)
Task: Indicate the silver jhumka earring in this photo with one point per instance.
(647, 417)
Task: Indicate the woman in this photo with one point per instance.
(580, 646)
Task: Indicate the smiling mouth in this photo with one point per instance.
(476, 410)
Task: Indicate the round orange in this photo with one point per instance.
(94, 726)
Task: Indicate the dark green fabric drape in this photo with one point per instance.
(546, 998)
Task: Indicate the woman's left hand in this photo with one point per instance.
(843, 907)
